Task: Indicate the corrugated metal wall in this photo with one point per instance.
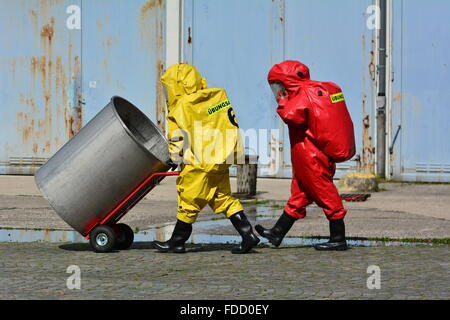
(40, 82)
(123, 54)
(61, 62)
(420, 97)
(235, 43)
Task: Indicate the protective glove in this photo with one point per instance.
(172, 164)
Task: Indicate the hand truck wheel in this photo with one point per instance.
(103, 239)
(125, 236)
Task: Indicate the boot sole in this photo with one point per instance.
(164, 250)
(341, 248)
(255, 243)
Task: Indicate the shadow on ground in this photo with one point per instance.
(189, 247)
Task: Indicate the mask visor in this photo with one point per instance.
(278, 89)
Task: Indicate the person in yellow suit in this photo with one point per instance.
(204, 140)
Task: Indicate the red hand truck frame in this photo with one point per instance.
(106, 234)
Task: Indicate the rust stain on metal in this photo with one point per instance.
(108, 42)
(59, 84)
(68, 120)
(73, 117)
(159, 34)
(70, 56)
(150, 5)
(57, 142)
(73, 120)
(32, 105)
(281, 11)
(59, 74)
(46, 71)
(148, 17)
(51, 74)
(152, 38)
(189, 36)
(35, 148)
(34, 65)
(48, 30)
(43, 68)
(41, 71)
(13, 64)
(77, 122)
(25, 120)
(160, 99)
(368, 150)
(34, 19)
(372, 66)
(77, 65)
(99, 25)
(47, 146)
(147, 8)
(22, 126)
(397, 97)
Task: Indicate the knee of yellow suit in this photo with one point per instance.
(231, 207)
(196, 188)
(223, 201)
(192, 194)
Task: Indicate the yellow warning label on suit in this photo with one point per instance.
(218, 107)
(337, 97)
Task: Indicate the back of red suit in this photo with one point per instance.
(321, 134)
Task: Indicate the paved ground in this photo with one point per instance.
(38, 271)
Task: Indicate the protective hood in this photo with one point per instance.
(181, 79)
(292, 74)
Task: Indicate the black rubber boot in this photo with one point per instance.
(337, 237)
(279, 230)
(243, 226)
(175, 244)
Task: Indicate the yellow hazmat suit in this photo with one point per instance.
(204, 137)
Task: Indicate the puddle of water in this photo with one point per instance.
(23, 235)
(203, 233)
(163, 233)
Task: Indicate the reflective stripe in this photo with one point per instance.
(337, 97)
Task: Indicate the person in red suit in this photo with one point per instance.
(321, 134)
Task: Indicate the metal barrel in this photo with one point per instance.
(106, 160)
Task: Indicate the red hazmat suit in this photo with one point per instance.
(321, 134)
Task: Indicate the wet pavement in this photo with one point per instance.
(40, 271)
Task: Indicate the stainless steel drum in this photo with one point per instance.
(96, 169)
